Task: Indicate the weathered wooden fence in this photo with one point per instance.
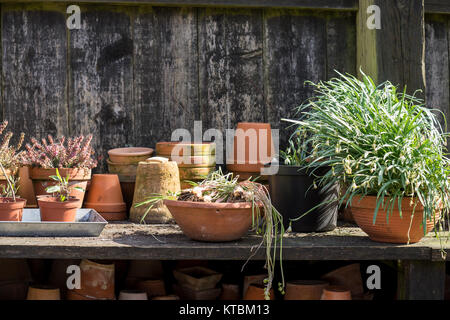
(136, 71)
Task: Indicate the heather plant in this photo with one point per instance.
(73, 152)
(9, 155)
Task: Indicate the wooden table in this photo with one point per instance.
(421, 276)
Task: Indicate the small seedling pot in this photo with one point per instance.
(54, 210)
(10, 210)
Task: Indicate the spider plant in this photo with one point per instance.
(220, 187)
(377, 140)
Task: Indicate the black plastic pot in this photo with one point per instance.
(293, 195)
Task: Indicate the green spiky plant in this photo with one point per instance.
(220, 187)
(62, 188)
(377, 141)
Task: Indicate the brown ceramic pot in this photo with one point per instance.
(336, 293)
(97, 282)
(305, 289)
(256, 292)
(153, 288)
(132, 295)
(105, 196)
(174, 148)
(253, 147)
(230, 292)
(36, 292)
(396, 229)
(213, 222)
(78, 177)
(197, 278)
(54, 210)
(348, 277)
(129, 155)
(10, 210)
(26, 190)
(253, 279)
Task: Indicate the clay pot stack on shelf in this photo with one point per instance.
(252, 149)
(105, 196)
(197, 283)
(348, 277)
(124, 163)
(195, 160)
(154, 176)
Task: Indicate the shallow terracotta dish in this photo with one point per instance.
(212, 222)
(129, 155)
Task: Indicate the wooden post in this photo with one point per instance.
(421, 280)
(396, 52)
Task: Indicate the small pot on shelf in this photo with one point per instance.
(52, 209)
(256, 292)
(40, 292)
(11, 210)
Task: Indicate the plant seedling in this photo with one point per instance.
(11, 185)
(62, 189)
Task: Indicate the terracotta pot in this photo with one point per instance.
(186, 293)
(253, 147)
(336, 293)
(154, 177)
(129, 155)
(212, 222)
(348, 277)
(26, 190)
(256, 292)
(175, 148)
(230, 292)
(396, 229)
(195, 174)
(97, 282)
(54, 210)
(194, 161)
(10, 210)
(78, 178)
(36, 292)
(305, 289)
(105, 196)
(253, 279)
(169, 297)
(132, 295)
(153, 288)
(197, 278)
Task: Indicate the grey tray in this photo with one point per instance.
(88, 223)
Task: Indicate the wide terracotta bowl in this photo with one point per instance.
(212, 222)
(396, 229)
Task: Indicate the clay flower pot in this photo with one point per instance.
(256, 292)
(153, 288)
(105, 196)
(396, 229)
(336, 293)
(132, 295)
(212, 222)
(197, 278)
(348, 277)
(78, 177)
(253, 147)
(305, 289)
(54, 210)
(43, 293)
(26, 190)
(10, 210)
(175, 148)
(129, 155)
(253, 279)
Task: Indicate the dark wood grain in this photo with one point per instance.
(165, 73)
(34, 64)
(100, 91)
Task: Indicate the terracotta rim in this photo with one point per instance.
(37, 173)
(130, 152)
(20, 203)
(52, 202)
(220, 205)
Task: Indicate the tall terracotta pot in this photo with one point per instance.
(105, 196)
(253, 147)
(154, 176)
(26, 190)
(78, 177)
(396, 229)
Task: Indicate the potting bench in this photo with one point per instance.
(421, 276)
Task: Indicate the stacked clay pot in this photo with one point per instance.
(105, 197)
(124, 163)
(195, 160)
(252, 149)
(38, 292)
(154, 176)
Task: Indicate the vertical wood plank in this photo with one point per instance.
(341, 44)
(34, 50)
(294, 51)
(166, 73)
(437, 66)
(396, 51)
(231, 77)
(101, 79)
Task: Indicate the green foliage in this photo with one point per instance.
(296, 153)
(12, 185)
(63, 188)
(377, 141)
